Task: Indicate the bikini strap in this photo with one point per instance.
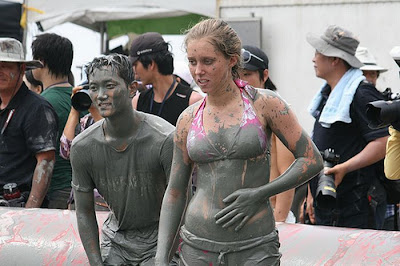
(243, 85)
(199, 112)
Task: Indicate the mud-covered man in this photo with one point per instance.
(127, 157)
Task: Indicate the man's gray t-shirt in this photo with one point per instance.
(133, 181)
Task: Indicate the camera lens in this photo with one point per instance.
(326, 192)
(81, 100)
(326, 189)
(382, 113)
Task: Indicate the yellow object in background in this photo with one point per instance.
(23, 16)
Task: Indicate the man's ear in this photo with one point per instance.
(152, 65)
(335, 61)
(132, 89)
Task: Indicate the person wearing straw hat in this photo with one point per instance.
(370, 69)
(341, 124)
(28, 129)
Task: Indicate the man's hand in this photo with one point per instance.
(339, 171)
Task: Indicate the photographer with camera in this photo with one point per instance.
(71, 128)
(341, 125)
(379, 195)
(81, 102)
(382, 114)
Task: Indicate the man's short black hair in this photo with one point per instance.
(163, 59)
(120, 64)
(56, 52)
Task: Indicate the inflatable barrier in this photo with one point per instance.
(51, 237)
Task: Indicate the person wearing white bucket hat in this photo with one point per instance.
(370, 68)
(341, 124)
(28, 130)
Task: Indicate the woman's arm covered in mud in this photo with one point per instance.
(307, 163)
(175, 196)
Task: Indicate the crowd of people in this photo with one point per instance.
(211, 174)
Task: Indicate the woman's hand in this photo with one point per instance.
(241, 206)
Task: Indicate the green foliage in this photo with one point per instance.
(171, 25)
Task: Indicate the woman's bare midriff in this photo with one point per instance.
(217, 180)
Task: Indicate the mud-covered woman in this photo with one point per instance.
(226, 137)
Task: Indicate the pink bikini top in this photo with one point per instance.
(244, 141)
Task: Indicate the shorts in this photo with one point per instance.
(196, 251)
(129, 247)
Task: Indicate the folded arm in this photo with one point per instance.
(307, 163)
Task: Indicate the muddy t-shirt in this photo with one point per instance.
(132, 181)
(28, 125)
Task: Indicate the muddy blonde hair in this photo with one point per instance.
(221, 36)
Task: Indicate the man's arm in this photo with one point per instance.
(392, 159)
(87, 225)
(372, 153)
(83, 186)
(41, 178)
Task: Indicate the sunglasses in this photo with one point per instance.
(247, 56)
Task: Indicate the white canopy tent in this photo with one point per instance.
(93, 14)
(90, 13)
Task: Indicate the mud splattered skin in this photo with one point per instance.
(227, 140)
(232, 162)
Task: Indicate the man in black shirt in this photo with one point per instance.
(153, 64)
(341, 124)
(28, 127)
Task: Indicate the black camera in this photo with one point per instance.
(326, 189)
(385, 112)
(81, 100)
(12, 197)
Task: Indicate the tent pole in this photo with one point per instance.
(25, 34)
(103, 38)
(102, 50)
(217, 8)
